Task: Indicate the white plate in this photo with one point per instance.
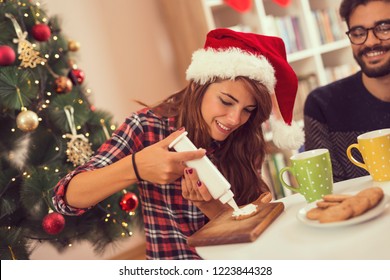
(370, 214)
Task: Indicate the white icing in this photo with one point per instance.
(246, 210)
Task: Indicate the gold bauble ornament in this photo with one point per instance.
(73, 46)
(27, 120)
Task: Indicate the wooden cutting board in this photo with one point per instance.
(225, 230)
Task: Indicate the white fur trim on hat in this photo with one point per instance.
(228, 64)
(289, 137)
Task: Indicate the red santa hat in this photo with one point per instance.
(228, 54)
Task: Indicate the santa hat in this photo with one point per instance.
(228, 54)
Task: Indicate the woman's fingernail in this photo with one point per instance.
(190, 170)
(181, 128)
(199, 183)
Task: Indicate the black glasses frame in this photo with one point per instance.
(367, 30)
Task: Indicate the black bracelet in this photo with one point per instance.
(135, 168)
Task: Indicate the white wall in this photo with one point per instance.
(125, 54)
(125, 51)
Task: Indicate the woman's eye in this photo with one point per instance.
(225, 102)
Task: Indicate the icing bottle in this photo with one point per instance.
(216, 183)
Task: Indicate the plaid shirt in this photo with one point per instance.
(168, 218)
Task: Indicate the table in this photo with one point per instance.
(287, 238)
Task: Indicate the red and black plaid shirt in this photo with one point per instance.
(168, 218)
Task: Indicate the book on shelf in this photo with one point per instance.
(270, 172)
(272, 165)
(280, 162)
(330, 25)
(305, 85)
(288, 28)
(340, 71)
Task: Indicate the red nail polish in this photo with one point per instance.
(181, 128)
(199, 183)
(190, 171)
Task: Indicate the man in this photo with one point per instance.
(337, 113)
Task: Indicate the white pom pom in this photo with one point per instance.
(288, 137)
(18, 154)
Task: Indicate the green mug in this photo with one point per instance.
(313, 172)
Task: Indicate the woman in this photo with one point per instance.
(222, 109)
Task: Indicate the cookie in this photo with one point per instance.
(245, 212)
(335, 197)
(374, 195)
(335, 214)
(358, 204)
(326, 204)
(314, 213)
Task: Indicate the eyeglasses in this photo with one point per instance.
(358, 35)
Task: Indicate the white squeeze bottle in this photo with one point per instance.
(216, 183)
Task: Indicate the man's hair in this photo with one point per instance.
(348, 6)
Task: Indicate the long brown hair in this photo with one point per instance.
(241, 155)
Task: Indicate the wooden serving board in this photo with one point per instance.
(223, 229)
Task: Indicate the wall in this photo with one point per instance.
(125, 51)
(125, 54)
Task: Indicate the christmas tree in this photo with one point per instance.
(48, 127)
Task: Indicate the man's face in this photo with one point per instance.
(373, 55)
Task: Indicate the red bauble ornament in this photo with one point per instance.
(53, 223)
(63, 84)
(283, 3)
(7, 55)
(76, 76)
(241, 6)
(129, 202)
(41, 32)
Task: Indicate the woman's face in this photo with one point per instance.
(226, 106)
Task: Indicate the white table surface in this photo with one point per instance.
(287, 238)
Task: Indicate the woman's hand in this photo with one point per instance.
(158, 165)
(192, 188)
(195, 191)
